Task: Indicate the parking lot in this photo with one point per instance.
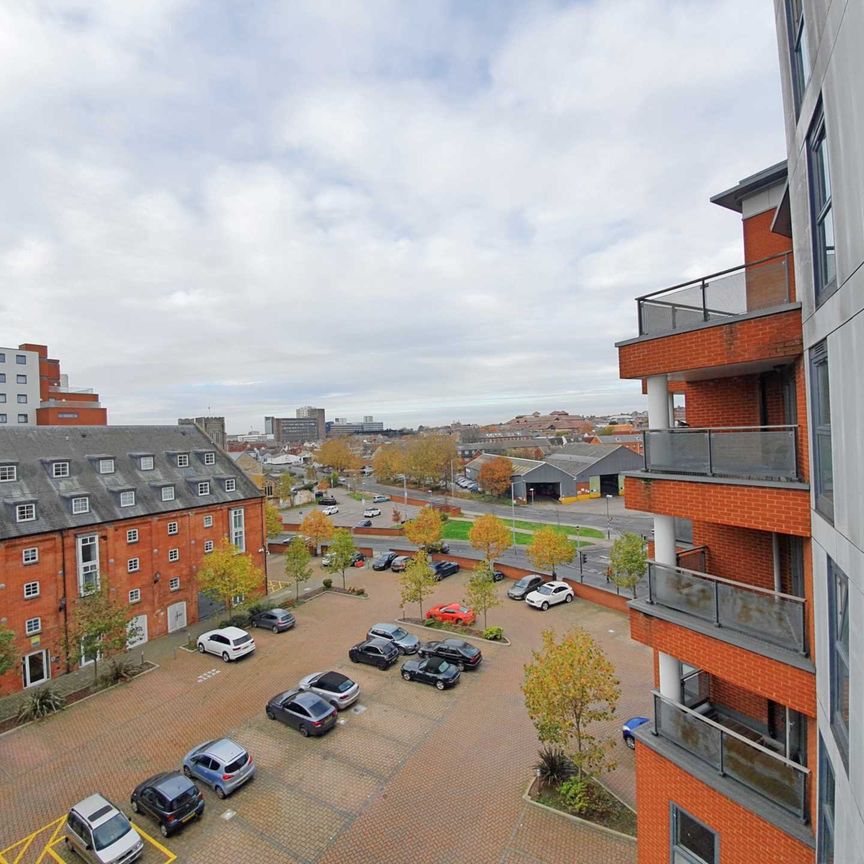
(409, 774)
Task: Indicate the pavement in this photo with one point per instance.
(411, 775)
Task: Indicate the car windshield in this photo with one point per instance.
(237, 764)
(524, 582)
(183, 798)
(111, 831)
(240, 640)
(399, 633)
(335, 681)
(544, 589)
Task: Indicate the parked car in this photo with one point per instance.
(307, 712)
(97, 831)
(358, 559)
(333, 687)
(384, 560)
(332, 510)
(406, 642)
(524, 586)
(400, 563)
(433, 670)
(222, 764)
(380, 499)
(370, 512)
(498, 576)
(629, 727)
(550, 594)
(453, 613)
(442, 546)
(364, 523)
(443, 569)
(229, 643)
(278, 620)
(327, 500)
(169, 798)
(455, 651)
(375, 652)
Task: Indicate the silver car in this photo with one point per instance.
(406, 642)
(222, 764)
(333, 687)
(97, 831)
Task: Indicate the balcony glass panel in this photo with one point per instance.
(688, 730)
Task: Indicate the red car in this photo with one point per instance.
(454, 613)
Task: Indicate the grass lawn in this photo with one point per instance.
(458, 529)
(567, 529)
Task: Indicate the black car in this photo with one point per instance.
(327, 500)
(443, 569)
(302, 710)
(498, 576)
(521, 589)
(170, 798)
(384, 560)
(365, 523)
(277, 620)
(375, 652)
(433, 670)
(455, 651)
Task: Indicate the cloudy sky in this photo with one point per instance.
(421, 210)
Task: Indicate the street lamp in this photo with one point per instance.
(608, 519)
(531, 490)
(513, 512)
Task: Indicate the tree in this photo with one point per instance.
(495, 475)
(227, 574)
(272, 519)
(337, 454)
(389, 461)
(284, 486)
(8, 652)
(549, 548)
(297, 560)
(627, 561)
(417, 580)
(489, 535)
(429, 457)
(569, 686)
(316, 528)
(425, 528)
(396, 516)
(341, 551)
(100, 628)
(481, 595)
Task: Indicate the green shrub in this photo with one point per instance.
(554, 766)
(327, 584)
(575, 794)
(118, 670)
(40, 703)
(437, 625)
(238, 619)
(494, 633)
(260, 606)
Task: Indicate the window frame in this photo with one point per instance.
(208, 521)
(237, 528)
(208, 546)
(5, 469)
(838, 656)
(23, 419)
(210, 458)
(32, 594)
(60, 469)
(132, 535)
(173, 528)
(21, 399)
(168, 493)
(19, 508)
(124, 500)
(825, 810)
(76, 505)
(33, 558)
(821, 209)
(823, 460)
(32, 631)
(173, 555)
(107, 466)
(133, 565)
(203, 488)
(136, 598)
(174, 583)
(182, 460)
(147, 463)
(681, 853)
(230, 484)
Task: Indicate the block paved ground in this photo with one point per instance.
(412, 775)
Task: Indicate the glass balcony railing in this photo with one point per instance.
(720, 296)
(746, 452)
(770, 616)
(759, 768)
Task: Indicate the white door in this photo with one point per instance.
(176, 617)
(36, 668)
(137, 628)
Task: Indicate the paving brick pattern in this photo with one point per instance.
(414, 775)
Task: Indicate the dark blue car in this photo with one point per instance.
(629, 727)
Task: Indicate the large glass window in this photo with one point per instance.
(838, 635)
(825, 271)
(238, 529)
(825, 838)
(823, 465)
(88, 563)
(692, 842)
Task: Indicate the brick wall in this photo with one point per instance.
(737, 553)
(723, 402)
(761, 242)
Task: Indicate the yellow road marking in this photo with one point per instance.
(169, 855)
(49, 850)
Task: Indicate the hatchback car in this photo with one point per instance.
(453, 613)
(229, 643)
(169, 798)
(327, 500)
(222, 764)
(332, 510)
(333, 687)
(629, 727)
(384, 560)
(304, 711)
(433, 670)
(455, 651)
(524, 586)
(406, 642)
(550, 594)
(443, 569)
(380, 499)
(370, 512)
(497, 575)
(277, 620)
(358, 559)
(97, 831)
(375, 652)
(399, 564)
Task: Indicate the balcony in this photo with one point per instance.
(744, 756)
(762, 453)
(769, 616)
(718, 297)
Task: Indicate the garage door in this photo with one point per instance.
(137, 628)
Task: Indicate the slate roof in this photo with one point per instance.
(520, 466)
(34, 449)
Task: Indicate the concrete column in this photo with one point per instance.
(664, 540)
(670, 676)
(658, 402)
(775, 549)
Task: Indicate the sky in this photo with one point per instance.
(422, 210)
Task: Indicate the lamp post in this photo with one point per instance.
(608, 519)
(513, 512)
(531, 491)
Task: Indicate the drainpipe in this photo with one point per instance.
(775, 549)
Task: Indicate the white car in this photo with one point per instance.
(369, 512)
(229, 643)
(380, 499)
(549, 594)
(98, 832)
(333, 687)
(332, 510)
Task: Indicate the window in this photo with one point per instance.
(2, 397)
(174, 583)
(146, 463)
(825, 830)
(230, 484)
(60, 469)
(173, 528)
(127, 498)
(23, 418)
(9, 472)
(208, 521)
(208, 546)
(238, 529)
(106, 466)
(209, 458)
(799, 56)
(31, 590)
(821, 214)
(820, 403)
(2, 418)
(2, 357)
(21, 359)
(81, 505)
(87, 556)
(32, 626)
(167, 493)
(692, 842)
(22, 398)
(182, 460)
(838, 647)
(2, 376)
(132, 535)
(67, 415)
(20, 379)
(173, 554)
(30, 555)
(135, 595)
(204, 488)
(237, 599)
(25, 512)
(133, 565)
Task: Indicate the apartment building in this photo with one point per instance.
(320, 418)
(136, 507)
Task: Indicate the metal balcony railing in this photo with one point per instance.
(747, 452)
(719, 296)
(770, 616)
(774, 777)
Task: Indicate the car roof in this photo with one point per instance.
(386, 644)
(230, 632)
(456, 643)
(331, 678)
(225, 749)
(171, 783)
(95, 809)
(387, 628)
(557, 584)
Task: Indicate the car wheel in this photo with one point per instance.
(439, 685)
(568, 598)
(304, 731)
(270, 714)
(186, 771)
(353, 658)
(275, 629)
(630, 742)
(545, 606)
(200, 647)
(220, 792)
(406, 676)
(164, 829)
(225, 656)
(134, 805)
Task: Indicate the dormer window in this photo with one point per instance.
(8, 473)
(146, 463)
(182, 460)
(127, 498)
(167, 493)
(204, 488)
(209, 458)
(106, 466)
(59, 469)
(230, 484)
(81, 504)
(25, 512)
